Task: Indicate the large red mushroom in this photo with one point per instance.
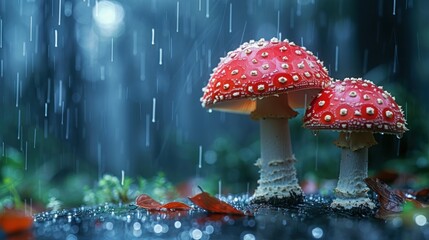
(357, 108)
(267, 79)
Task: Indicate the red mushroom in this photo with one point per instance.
(357, 108)
(266, 79)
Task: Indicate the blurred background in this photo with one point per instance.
(94, 87)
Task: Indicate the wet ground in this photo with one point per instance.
(311, 220)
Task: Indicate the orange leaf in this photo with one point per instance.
(214, 205)
(146, 202)
(12, 221)
(177, 206)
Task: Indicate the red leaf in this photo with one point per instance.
(391, 202)
(423, 196)
(214, 205)
(13, 221)
(146, 202)
(178, 206)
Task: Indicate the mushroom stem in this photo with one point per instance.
(351, 190)
(278, 184)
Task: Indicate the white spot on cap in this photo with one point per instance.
(248, 51)
(328, 118)
(343, 111)
(307, 74)
(261, 87)
(265, 66)
(282, 79)
(379, 101)
(352, 94)
(298, 52)
(285, 66)
(317, 75)
(321, 103)
(283, 48)
(366, 97)
(254, 73)
(358, 113)
(344, 125)
(370, 111)
(301, 65)
(284, 58)
(274, 40)
(218, 84)
(368, 125)
(243, 76)
(389, 114)
(234, 72)
(250, 89)
(264, 54)
(226, 86)
(254, 61)
(236, 94)
(295, 77)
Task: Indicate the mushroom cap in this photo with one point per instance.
(355, 105)
(263, 68)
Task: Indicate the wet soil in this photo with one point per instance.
(312, 219)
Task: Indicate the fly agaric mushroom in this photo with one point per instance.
(266, 79)
(357, 108)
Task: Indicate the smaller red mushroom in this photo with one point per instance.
(357, 108)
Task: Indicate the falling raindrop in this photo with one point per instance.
(200, 156)
(111, 51)
(34, 137)
(220, 188)
(207, 8)
(153, 36)
(147, 130)
(19, 123)
(17, 90)
(336, 58)
(399, 135)
(56, 38)
(1, 33)
(177, 16)
(31, 28)
(395, 59)
(278, 24)
(394, 7)
(160, 56)
(153, 109)
(122, 177)
(26, 156)
(59, 13)
(230, 17)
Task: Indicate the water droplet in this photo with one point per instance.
(399, 135)
(315, 133)
(348, 134)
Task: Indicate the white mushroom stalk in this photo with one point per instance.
(351, 191)
(278, 184)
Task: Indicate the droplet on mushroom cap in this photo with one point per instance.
(259, 69)
(358, 104)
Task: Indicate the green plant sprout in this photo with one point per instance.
(109, 189)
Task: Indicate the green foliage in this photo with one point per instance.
(158, 187)
(11, 175)
(109, 189)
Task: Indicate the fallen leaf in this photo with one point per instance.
(214, 205)
(392, 201)
(423, 196)
(146, 202)
(14, 221)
